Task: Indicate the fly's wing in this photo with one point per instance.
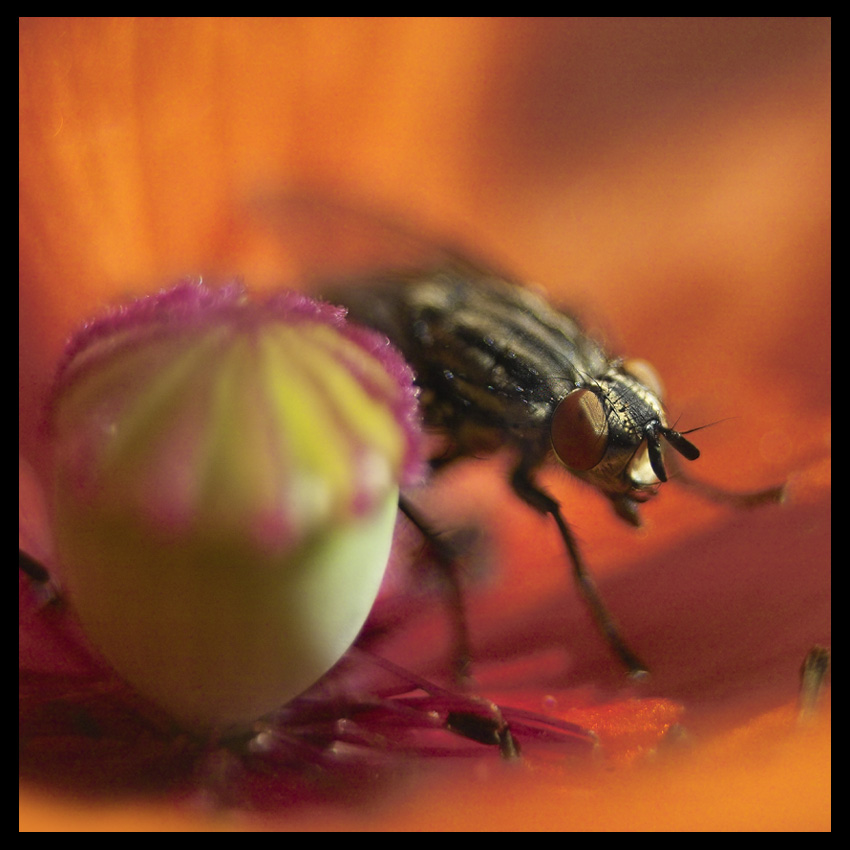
(361, 256)
(330, 239)
(484, 348)
(378, 303)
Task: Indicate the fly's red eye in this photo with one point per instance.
(579, 430)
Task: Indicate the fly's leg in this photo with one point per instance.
(41, 579)
(32, 568)
(532, 495)
(445, 559)
(713, 493)
(813, 675)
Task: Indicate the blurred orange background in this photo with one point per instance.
(668, 176)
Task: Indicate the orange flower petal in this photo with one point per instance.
(669, 177)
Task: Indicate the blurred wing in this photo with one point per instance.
(332, 238)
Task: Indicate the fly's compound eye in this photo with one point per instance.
(644, 373)
(579, 430)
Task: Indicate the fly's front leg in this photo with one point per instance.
(445, 558)
(752, 499)
(531, 494)
(713, 493)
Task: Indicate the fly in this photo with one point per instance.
(500, 368)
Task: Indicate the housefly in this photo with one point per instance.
(500, 368)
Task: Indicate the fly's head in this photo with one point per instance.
(609, 432)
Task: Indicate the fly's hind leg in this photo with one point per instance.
(445, 558)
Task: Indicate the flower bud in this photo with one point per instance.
(226, 484)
